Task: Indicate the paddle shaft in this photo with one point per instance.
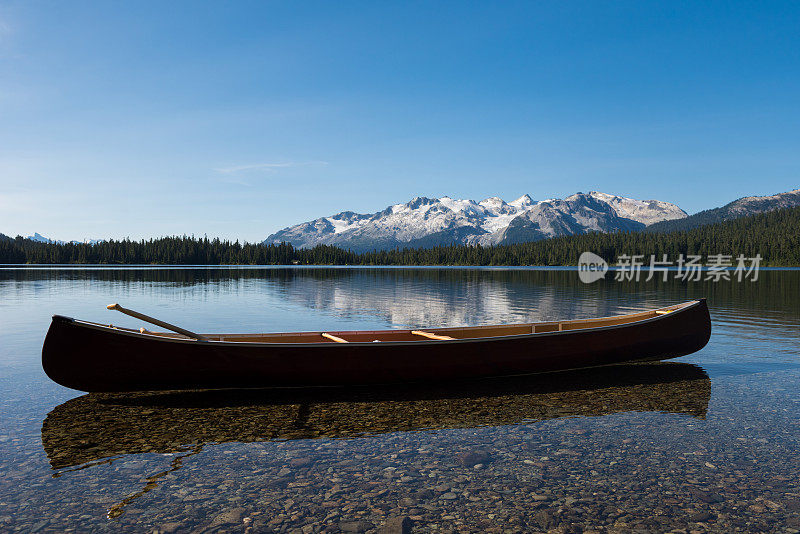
(157, 322)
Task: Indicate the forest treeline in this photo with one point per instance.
(774, 235)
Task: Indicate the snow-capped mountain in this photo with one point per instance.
(425, 222)
(42, 239)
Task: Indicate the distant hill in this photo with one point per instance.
(738, 208)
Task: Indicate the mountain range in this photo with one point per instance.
(428, 222)
(39, 238)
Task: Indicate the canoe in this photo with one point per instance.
(94, 357)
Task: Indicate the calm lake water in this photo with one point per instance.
(707, 442)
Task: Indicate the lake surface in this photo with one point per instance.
(707, 442)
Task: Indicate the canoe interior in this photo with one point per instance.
(367, 336)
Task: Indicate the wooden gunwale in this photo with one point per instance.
(535, 329)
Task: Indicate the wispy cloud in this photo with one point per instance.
(267, 167)
(5, 30)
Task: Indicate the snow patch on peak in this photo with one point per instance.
(459, 206)
(497, 206)
(522, 202)
(492, 201)
(40, 238)
(644, 211)
(603, 196)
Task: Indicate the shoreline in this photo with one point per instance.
(12, 266)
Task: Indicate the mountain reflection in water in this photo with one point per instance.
(97, 427)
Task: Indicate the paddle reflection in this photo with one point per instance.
(96, 428)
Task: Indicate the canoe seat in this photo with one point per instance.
(431, 336)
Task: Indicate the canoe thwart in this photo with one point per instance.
(431, 336)
(334, 338)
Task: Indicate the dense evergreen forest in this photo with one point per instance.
(774, 235)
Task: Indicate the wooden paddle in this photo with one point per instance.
(155, 321)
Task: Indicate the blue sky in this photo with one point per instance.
(236, 119)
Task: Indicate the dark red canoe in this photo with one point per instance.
(94, 357)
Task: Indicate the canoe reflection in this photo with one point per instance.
(94, 427)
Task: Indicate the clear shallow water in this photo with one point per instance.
(708, 443)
